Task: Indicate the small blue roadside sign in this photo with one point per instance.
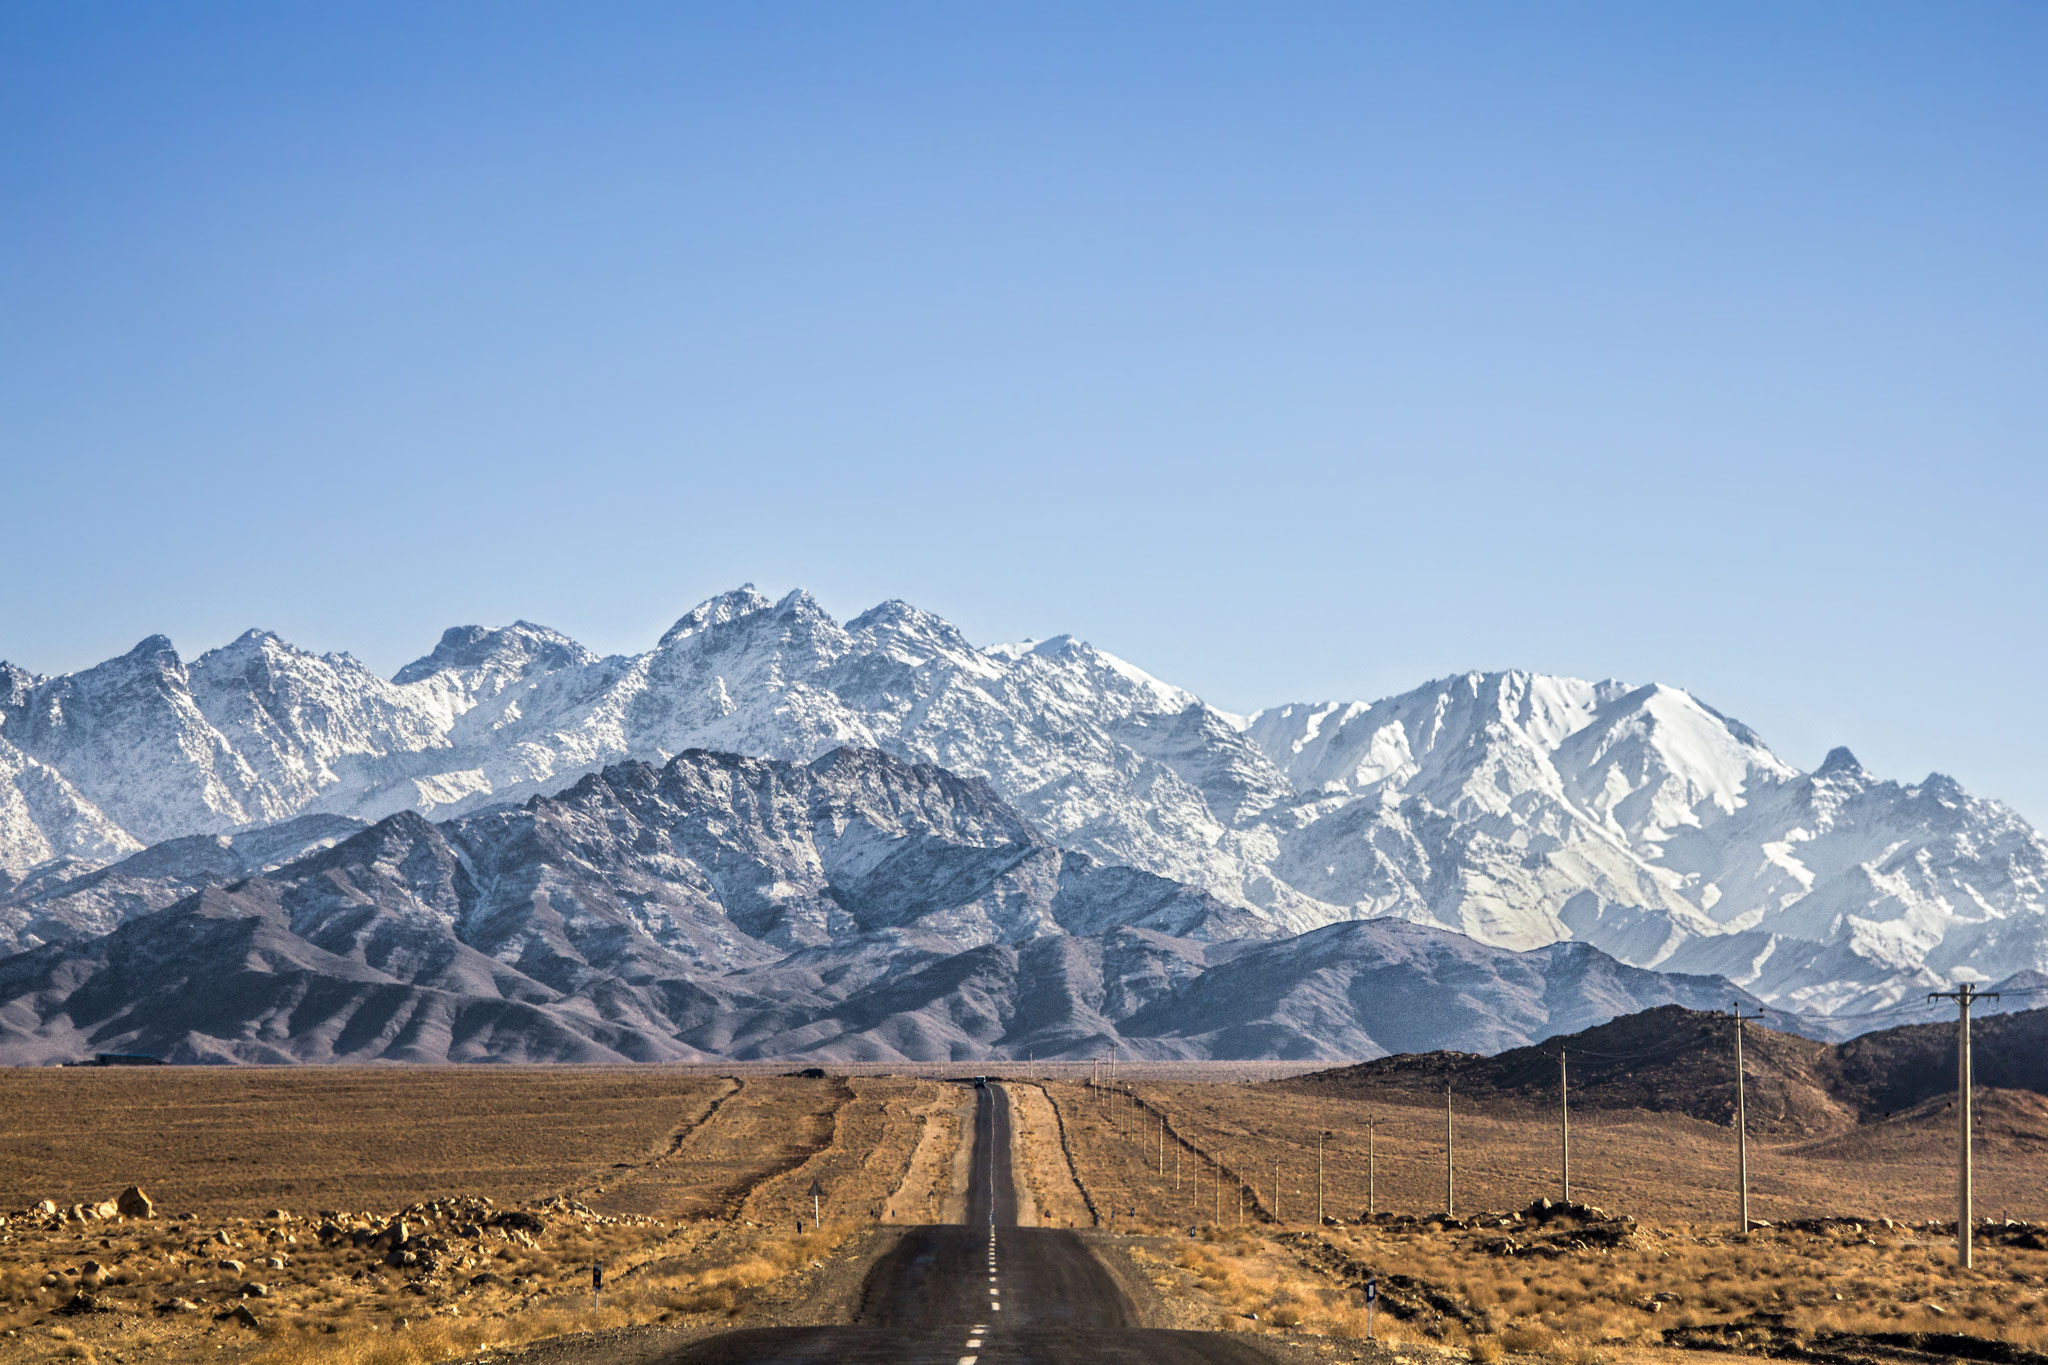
(1372, 1302)
(1372, 1290)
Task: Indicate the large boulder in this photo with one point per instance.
(133, 1203)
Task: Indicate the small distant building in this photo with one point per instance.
(126, 1059)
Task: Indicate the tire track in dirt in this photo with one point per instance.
(675, 1145)
(924, 1193)
(1047, 1166)
(755, 1194)
(1067, 1150)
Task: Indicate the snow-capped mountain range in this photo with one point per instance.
(1520, 810)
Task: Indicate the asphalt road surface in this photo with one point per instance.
(988, 1293)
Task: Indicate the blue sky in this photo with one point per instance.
(1290, 351)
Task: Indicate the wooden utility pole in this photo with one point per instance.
(1216, 1191)
(1162, 1146)
(1176, 1170)
(1450, 1160)
(1276, 1191)
(1372, 1172)
(1324, 1133)
(1564, 1122)
(1742, 1115)
(1964, 996)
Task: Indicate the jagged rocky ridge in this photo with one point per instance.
(854, 907)
(1518, 809)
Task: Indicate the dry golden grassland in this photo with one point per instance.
(1579, 1288)
(416, 1215)
(222, 1141)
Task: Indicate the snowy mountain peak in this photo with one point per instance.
(15, 685)
(512, 650)
(909, 634)
(1119, 674)
(153, 655)
(723, 609)
(1839, 762)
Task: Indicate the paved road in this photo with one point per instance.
(988, 1293)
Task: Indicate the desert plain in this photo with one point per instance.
(398, 1215)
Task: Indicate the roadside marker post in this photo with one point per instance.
(1372, 1301)
(817, 1216)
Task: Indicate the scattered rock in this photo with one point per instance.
(90, 1273)
(244, 1316)
(45, 1208)
(233, 1267)
(273, 1262)
(106, 1208)
(133, 1203)
(81, 1302)
(177, 1306)
(255, 1289)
